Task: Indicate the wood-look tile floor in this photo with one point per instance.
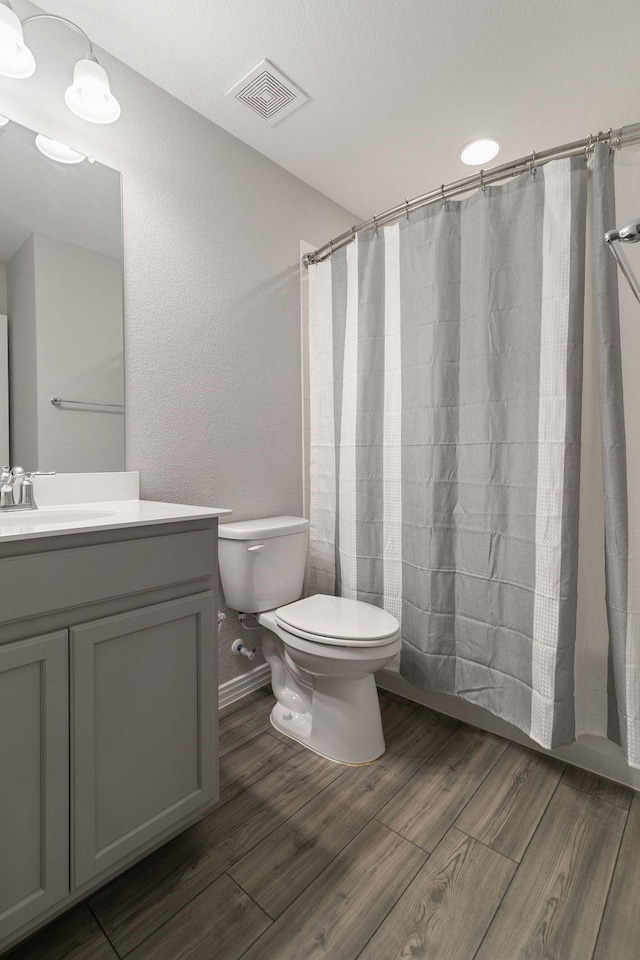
(455, 845)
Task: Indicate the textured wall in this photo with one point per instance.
(23, 358)
(212, 307)
(3, 288)
(79, 356)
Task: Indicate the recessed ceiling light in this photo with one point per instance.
(480, 151)
(58, 151)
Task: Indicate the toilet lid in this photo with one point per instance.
(338, 620)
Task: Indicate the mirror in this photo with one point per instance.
(61, 310)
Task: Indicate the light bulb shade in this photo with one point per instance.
(89, 96)
(58, 151)
(16, 60)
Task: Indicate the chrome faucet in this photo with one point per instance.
(17, 481)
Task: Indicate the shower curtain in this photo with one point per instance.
(446, 369)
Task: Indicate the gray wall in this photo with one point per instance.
(3, 288)
(212, 305)
(23, 356)
(65, 328)
(79, 344)
(4, 369)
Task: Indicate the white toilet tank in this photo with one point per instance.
(262, 562)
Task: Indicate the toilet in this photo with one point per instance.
(323, 651)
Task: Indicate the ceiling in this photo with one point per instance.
(396, 87)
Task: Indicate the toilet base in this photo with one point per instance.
(344, 724)
(326, 695)
(304, 743)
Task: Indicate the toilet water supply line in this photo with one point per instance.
(237, 647)
(291, 688)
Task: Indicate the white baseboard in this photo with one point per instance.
(240, 686)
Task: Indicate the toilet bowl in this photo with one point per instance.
(322, 651)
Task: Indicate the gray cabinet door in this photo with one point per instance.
(143, 733)
(34, 778)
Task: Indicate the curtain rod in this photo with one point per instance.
(617, 138)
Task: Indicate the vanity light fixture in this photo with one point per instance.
(89, 95)
(480, 151)
(16, 60)
(55, 150)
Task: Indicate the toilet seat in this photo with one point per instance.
(338, 621)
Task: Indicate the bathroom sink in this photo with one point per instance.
(88, 516)
(45, 515)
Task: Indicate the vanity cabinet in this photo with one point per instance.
(34, 778)
(142, 728)
(108, 707)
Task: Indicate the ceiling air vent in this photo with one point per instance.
(268, 92)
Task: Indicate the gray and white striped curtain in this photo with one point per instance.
(446, 360)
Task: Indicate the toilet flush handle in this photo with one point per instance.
(259, 547)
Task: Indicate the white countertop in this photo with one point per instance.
(105, 515)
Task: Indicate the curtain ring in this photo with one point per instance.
(353, 235)
(330, 248)
(588, 147)
(532, 164)
(482, 183)
(445, 202)
(406, 209)
(375, 226)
